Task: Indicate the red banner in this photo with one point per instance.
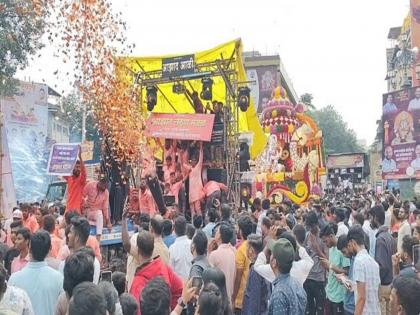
(180, 126)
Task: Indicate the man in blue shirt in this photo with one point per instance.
(208, 229)
(389, 107)
(288, 297)
(257, 288)
(168, 236)
(388, 163)
(42, 283)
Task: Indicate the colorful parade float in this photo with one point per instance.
(175, 90)
(292, 164)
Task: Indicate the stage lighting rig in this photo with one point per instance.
(151, 97)
(243, 98)
(207, 90)
(178, 88)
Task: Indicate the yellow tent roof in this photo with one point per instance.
(248, 121)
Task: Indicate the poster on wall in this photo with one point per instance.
(264, 80)
(26, 119)
(401, 134)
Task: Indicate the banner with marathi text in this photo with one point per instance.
(345, 160)
(63, 157)
(178, 65)
(180, 126)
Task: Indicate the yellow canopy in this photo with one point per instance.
(248, 121)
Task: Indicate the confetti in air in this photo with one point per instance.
(89, 35)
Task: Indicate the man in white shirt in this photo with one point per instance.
(78, 236)
(180, 256)
(405, 228)
(300, 269)
(371, 232)
(388, 163)
(340, 216)
(389, 212)
(415, 102)
(265, 207)
(365, 274)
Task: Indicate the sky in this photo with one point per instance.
(333, 49)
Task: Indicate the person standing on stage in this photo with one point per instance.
(170, 159)
(196, 183)
(75, 185)
(146, 201)
(168, 169)
(96, 205)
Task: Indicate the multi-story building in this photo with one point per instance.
(401, 57)
(58, 126)
(266, 73)
(403, 72)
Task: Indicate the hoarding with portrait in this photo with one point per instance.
(26, 119)
(263, 80)
(401, 134)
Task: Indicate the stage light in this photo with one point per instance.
(243, 98)
(178, 88)
(207, 90)
(151, 97)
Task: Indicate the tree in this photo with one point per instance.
(307, 99)
(338, 137)
(72, 112)
(22, 23)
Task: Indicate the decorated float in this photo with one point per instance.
(292, 164)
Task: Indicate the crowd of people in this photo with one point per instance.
(336, 255)
(343, 256)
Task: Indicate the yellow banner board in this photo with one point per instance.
(170, 102)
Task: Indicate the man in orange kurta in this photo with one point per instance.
(75, 185)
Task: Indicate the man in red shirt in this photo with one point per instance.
(75, 185)
(150, 268)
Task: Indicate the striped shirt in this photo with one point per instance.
(366, 270)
